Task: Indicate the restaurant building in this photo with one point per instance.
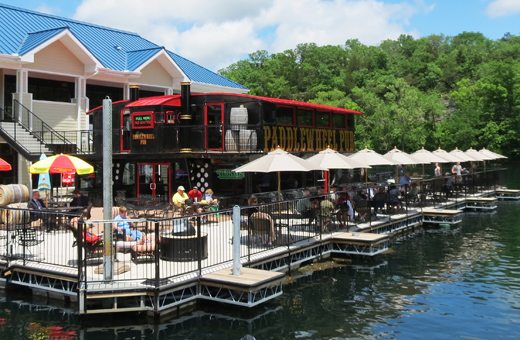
(197, 139)
(54, 69)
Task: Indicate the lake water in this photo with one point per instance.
(461, 283)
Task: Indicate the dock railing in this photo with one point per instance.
(183, 248)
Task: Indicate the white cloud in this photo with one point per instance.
(499, 8)
(218, 32)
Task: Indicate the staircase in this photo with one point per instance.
(22, 140)
(32, 142)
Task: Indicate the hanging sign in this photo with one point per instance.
(67, 179)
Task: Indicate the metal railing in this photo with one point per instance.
(183, 248)
(43, 132)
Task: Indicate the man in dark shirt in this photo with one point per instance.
(79, 200)
(35, 204)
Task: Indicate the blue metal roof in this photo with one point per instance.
(35, 39)
(137, 58)
(200, 74)
(22, 30)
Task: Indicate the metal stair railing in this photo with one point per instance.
(45, 134)
(13, 136)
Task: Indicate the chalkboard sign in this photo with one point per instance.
(142, 120)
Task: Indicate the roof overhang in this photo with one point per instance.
(68, 39)
(167, 62)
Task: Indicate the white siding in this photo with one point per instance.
(59, 116)
(57, 58)
(155, 74)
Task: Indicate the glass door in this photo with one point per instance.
(153, 181)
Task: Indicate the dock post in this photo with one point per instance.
(236, 240)
(107, 188)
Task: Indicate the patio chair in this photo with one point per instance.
(28, 236)
(260, 225)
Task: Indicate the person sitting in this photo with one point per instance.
(379, 200)
(305, 207)
(208, 197)
(413, 194)
(393, 197)
(180, 198)
(361, 205)
(195, 194)
(36, 204)
(125, 229)
(79, 200)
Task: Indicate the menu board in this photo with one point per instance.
(142, 120)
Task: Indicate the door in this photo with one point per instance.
(153, 181)
(213, 126)
(126, 131)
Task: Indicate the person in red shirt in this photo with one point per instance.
(195, 194)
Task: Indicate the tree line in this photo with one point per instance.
(436, 91)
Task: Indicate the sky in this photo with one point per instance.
(217, 33)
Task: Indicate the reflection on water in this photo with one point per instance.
(462, 282)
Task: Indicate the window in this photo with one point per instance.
(304, 117)
(322, 119)
(170, 117)
(338, 121)
(284, 116)
(51, 90)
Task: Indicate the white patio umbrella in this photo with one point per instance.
(462, 156)
(424, 157)
(491, 153)
(477, 155)
(276, 161)
(446, 155)
(370, 157)
(397, 156)
(331, 159)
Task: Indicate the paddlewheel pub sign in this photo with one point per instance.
(216, 132)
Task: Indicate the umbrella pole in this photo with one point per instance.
(279, 183)
(326, 181)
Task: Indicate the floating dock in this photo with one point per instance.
(163, 286)
(507, 194)
(485, 204)
(442, 216)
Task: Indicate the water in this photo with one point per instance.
(461, 283)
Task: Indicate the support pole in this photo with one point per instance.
(107, 189)
(236, 240)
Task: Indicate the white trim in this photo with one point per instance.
(29, 56)
(156, 56)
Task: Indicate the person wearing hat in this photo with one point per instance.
(195, 194)
(180, 197)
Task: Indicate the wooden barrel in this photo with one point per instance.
(247, 140)
(230, 139)
(13, 217)
(238, 118)
(13, 193)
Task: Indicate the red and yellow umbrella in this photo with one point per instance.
(62, 164)
(4, 166)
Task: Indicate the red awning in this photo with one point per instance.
(288, 102)
(174, 100)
